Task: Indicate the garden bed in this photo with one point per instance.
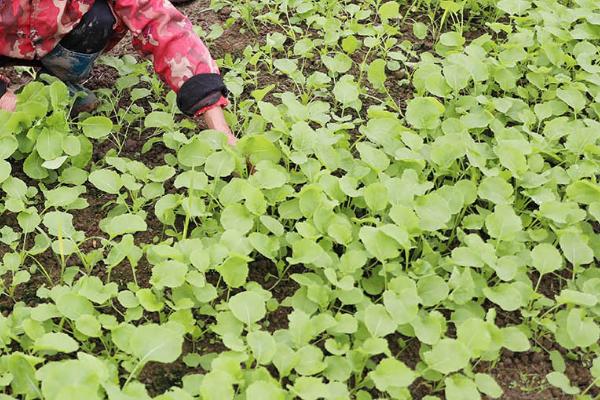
(420, 220)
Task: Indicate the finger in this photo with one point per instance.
(232, 140)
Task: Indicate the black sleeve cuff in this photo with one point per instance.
(3, 88)
(200, 91)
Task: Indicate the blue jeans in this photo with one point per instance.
(69, 66)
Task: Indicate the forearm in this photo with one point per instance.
(215, 119)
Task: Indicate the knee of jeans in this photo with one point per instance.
(94, 31)
(100, 17)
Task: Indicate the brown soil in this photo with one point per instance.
(522, 376)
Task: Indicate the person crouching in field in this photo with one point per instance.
(65, 37)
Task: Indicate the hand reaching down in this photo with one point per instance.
(8, 101)
(215, 119)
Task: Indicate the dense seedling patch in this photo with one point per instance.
(413, 202)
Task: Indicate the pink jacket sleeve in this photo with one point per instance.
(164, 33)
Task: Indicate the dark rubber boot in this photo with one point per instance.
(86, 100)
(72, 59)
